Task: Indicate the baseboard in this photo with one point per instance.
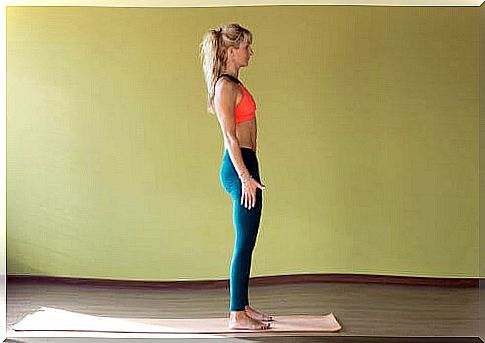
(261, 281)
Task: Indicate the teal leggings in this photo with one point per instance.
(246, 224)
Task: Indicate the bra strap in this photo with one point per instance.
(230, 77)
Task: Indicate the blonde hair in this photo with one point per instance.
(213, 54)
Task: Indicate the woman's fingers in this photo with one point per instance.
(244, 197)
(252, 198)
(248, 198)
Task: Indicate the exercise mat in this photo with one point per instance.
(48, 319)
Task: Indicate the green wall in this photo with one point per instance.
(482, 145)
(368, 141)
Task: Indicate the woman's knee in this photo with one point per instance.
(243, 249)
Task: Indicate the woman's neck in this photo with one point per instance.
(232, 71)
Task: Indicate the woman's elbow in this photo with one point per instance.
(230, 138)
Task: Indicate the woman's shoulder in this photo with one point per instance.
(224, 84)
(232, 82)
(229, 77)
(229, 82)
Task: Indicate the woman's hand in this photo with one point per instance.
(249, 186)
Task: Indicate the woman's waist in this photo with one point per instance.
(246, 136)
(249, 150)
(248, 155)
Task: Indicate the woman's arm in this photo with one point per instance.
(225, 102)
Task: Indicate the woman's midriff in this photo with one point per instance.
(246, 134)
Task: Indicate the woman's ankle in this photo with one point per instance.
(238, 314)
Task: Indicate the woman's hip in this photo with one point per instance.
(228, 174)
(250, 162)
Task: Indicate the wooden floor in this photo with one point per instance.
(362, 309)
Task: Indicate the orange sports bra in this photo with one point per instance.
(246, 108)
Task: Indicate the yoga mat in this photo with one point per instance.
(48, 319)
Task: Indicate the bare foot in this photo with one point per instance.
(253, 313)
(240, 320)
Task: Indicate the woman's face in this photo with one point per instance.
(242, 54)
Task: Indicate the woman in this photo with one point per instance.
(223, 53)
